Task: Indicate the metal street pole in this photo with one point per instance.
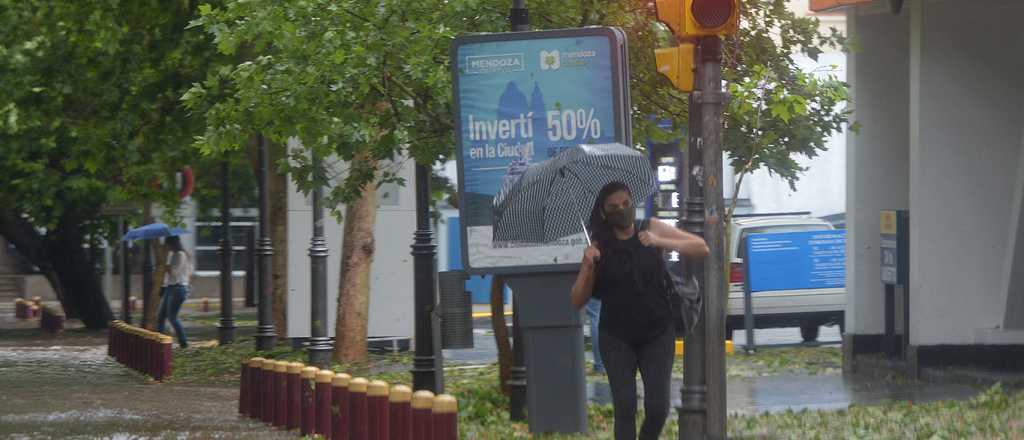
(250, 268)
(319, 344)
(226, 327)
(712, 102)
(427, 372)
(126, 275)
(693, 395)
(147, 279)
(520, 20)
(266, 336)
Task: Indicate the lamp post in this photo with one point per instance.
(226, 326)
(426, 363)
(319, 344)
(266, 336)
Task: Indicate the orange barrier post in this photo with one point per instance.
(205, 305)
(281, 394)
(400, 413)
(243, 388)
(357, 409)
(267, 416)
(422, 415)
(339, 406)
(308, 386)
(324, 379)
(294, 395)
(256, 387)
(377, 410)
(446, 416)
(111, 332)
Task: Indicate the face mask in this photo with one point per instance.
(623, 218)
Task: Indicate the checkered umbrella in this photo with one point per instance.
(553, 198)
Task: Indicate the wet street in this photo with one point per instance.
(66, 387)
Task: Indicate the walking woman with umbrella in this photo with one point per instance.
(620, 267)
(176, 280)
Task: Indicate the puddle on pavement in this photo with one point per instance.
(755, 395)
(59, 391)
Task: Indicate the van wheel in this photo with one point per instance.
(809, 331)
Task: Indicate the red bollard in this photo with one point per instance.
(339, 406)
(281, 394)
(255, 388)
(164, 367)
(400, 413)
(148, 353)
(357, 417)
(119, 342)
(377, 410)
(422, 415)
(446, 418)
(111, 332)
(205, 305)
(269, 394)
(308, 387)
(324, 379)
(243, 388)
(294, 381)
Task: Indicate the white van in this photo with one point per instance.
(805, 308)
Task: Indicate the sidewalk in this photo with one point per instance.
(66, 386)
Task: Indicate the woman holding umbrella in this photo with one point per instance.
(175, 287)
(620, 267)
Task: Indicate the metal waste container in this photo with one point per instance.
(456, 310)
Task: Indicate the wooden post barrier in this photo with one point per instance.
(281, 394)
(267, 378)
(294, 395)
(446, 415)
(400, 413)
(357, 409)
(256, 387)
(422, 415)
(308, 386)
(377, 410)
(243, 388)
(340, 406)
(324, 379)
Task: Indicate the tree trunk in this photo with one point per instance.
(357, 251)
(501, 333)
(83, 291)
(278, 197)
(160, 258)
(150, 299)
(32, 246)
(277, 194)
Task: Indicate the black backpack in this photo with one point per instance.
(684, 295)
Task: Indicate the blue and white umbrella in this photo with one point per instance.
(152, 230)
(553, 199)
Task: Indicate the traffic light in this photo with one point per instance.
(677, 64)
(697, 18)
(711, 17)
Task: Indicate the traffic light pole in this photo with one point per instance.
(712, 101)
(693, 395)
(702, 398)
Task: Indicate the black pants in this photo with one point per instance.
(654, 360)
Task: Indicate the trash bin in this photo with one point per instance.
(456, 310)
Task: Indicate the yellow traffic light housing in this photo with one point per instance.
(677, 64)
(671, 13)
(710, 17)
